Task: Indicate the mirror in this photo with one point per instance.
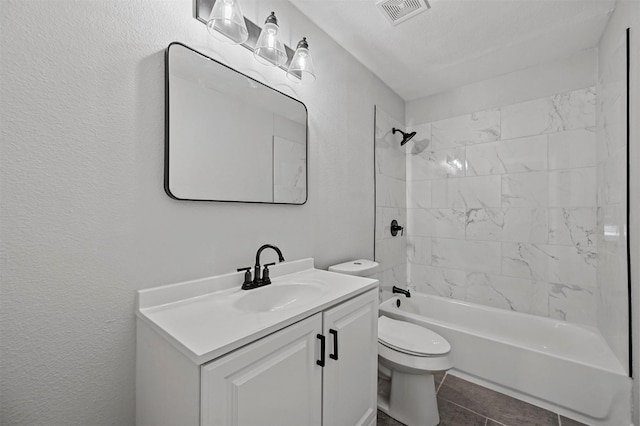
(230, 137)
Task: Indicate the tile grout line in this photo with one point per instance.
(441, 382)
(487, 419)
(471, 411)
(475, 412)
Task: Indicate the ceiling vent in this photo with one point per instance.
(397, 11)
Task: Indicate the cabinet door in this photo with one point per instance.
(349, 382)
(274, 381)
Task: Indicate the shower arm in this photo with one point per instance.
(406, 137)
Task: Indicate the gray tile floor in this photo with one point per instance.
(462, 403)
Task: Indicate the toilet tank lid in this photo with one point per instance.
(358, 267)
(411, 337)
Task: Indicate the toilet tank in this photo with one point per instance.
(360, 267)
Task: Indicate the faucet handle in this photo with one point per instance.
(395, 228)
(265, 273)
(247, 277)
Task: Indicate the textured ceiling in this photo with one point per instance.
(459, 42)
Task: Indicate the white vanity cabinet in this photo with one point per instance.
(200, 360)
(349, 393)
(278, 380)
(274, 381)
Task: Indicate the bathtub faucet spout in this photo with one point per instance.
(399, 290)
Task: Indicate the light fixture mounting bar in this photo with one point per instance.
(202, 10)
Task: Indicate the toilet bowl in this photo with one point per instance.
(408, 355)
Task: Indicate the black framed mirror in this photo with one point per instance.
(230, 137)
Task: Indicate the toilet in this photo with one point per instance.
(408, 355)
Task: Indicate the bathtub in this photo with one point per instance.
(565, 368)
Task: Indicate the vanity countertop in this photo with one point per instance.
(209, 317)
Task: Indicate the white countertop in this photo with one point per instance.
(200, 319)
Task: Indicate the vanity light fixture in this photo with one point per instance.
(269, 48)
(226, 19)
(301, 66)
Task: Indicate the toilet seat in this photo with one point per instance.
(404, 351)
(410, 338)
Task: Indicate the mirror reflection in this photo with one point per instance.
(230, 137)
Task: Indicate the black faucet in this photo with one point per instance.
(257, 281)
(401, 291)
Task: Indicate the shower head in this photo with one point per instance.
(406, 137)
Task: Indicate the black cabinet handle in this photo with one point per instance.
(320, 362)
(334, 355)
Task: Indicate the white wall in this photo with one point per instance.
(627, 15)
(85, 220)
(565, 74)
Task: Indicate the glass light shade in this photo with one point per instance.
(301, 66)
(269, 48)
(226, 19)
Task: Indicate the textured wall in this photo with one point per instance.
(503, 207)
(85, 221)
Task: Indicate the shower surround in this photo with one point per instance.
(501, 207)
(390, 175)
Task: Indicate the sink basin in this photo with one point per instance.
(278, 297)
(210, 317)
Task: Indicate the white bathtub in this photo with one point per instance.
(565, 368)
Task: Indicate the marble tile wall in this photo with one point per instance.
(611, 178)
(391, 201)
(501, 207)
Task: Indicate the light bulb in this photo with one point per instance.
(301, 66)
(269, 48)
(226, 19)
